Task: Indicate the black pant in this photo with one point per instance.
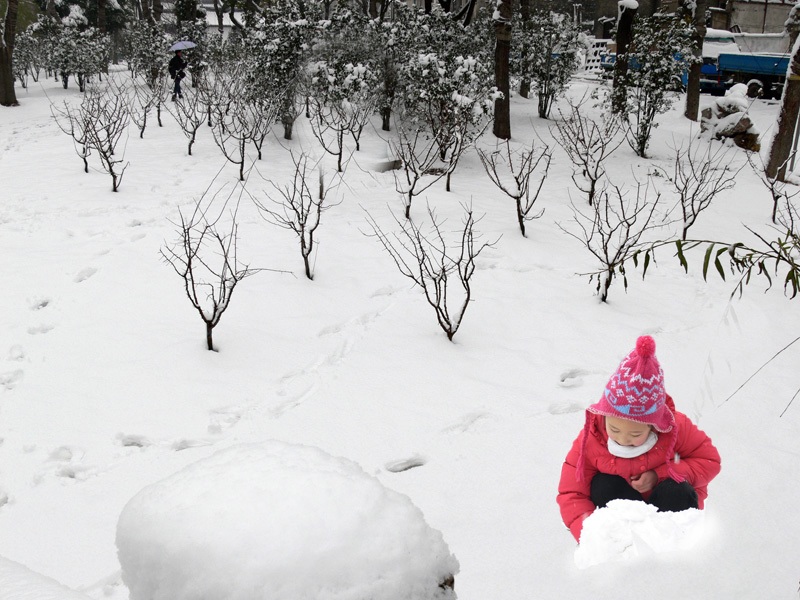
(669, 495)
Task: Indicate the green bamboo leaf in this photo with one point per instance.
(706, 261)
(720, 270)
(646, 264)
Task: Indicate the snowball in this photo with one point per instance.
(18, 582)
(279, 522)
(628, 528)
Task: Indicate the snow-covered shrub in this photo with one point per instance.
(659, 53)
(274, 521)
(451, 97)
(545, 51)
(80, 52)
(146, 50)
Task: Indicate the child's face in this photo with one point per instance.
(627, 433)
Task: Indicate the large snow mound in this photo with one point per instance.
(627, 528)
(280, 522)
(18, 582)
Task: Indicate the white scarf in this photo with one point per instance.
(632, 451)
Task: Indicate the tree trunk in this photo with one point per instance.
(209, 338)
(101, 16)
(158, 8)
(502, 50)
(8, 96)
(624, 35)
(781, 148)
(693, 83)
(525, 15)
(386, 118)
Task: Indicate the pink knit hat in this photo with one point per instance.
(636, 390)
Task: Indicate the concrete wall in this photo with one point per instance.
(760, 17)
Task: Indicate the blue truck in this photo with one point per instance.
(763, 73)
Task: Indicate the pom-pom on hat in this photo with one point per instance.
(636, 390)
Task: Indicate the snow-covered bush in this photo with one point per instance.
(80, 53)
(451, 97)
(545, 51)
(659, 53)
(146, 51)
(342, 99)
(274, 521)
(276, 48)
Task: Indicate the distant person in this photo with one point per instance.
(177, 72)
(636, 446)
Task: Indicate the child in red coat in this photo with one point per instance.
(636, 446)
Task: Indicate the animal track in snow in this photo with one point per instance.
(398, 466)
(84, 274)
(16, 353)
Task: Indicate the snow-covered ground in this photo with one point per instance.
(106, 386)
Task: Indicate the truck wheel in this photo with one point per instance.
(755, 88)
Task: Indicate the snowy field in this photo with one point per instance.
(106, 386)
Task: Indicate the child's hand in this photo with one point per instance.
(644, 482)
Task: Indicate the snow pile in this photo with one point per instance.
(20, 583)
(628, 528)
(279, 522)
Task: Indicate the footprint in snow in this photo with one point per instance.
(10, 380)
(467, 422)
(37, 329)
(85, 274)
(563, 408)
(16, 353)
(38, 303)
(572, 378)
(224, 417)
(183, 444)
(404, 464)
(133, 440)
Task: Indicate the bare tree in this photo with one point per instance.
(299, 207)
(436, 267)
(206, 258)
(511, 172)
(699, 175)
(588, 144)
(612, 231)
(190, 113)
(97, 124)
(146, 96)
(418, 152)
(111, 124)
(76, 123)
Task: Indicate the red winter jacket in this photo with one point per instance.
(698, 463)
